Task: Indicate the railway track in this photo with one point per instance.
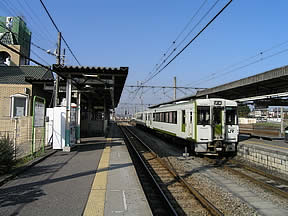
(178, 197)
(265, 180)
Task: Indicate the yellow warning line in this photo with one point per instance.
(95, 204)
(259, 143)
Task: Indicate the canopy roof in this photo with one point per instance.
(100, 85)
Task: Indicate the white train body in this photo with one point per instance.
(211, 125)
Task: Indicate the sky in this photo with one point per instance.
(249, 37)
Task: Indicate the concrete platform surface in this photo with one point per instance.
(62, 184)
(270, 145)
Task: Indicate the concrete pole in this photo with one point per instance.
(68, 114)
(58, 59)
(174, 88)
(78, 116)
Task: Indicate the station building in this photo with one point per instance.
(94, 92)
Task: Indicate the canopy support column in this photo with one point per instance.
(78, 116)
(68, 115)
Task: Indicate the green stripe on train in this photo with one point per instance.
(163, 131)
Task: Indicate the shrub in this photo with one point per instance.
(7, 153)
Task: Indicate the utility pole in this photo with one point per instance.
(58, 61)
(63, 57)
(174, 88)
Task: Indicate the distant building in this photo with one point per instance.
(15, 34)
(19, 82)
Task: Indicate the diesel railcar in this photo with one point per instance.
(210, 126)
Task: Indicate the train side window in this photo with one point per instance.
(166, 117)
(161, 117)
(191, 117)
(170, 117)
(231, 116)
(174, 117)
(183, 116)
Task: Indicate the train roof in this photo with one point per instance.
(199, 101)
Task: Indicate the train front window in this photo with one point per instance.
(231, 116)
(203, 115)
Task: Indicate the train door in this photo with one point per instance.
(191, 123)
(203, 133)
(231, 120)
(217, 123)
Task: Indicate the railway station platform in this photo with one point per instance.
(270, 154)
(96, 178)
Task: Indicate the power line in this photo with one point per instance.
(182, 41)
(21, 54)
(39, 57)
(33, 44)
(177, 87)
(259, 60)
(231, 68)
(190, 41)
(59, 31)
(33, 13)
(174, 41)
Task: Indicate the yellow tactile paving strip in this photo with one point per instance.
(96, 201)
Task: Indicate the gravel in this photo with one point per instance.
(205, 178)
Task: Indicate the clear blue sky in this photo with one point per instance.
(136, 34)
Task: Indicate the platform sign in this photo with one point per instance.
(39, 114)
(39, 105)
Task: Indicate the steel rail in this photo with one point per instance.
(148, 170)
(256, 181)
(204, 202)
(252, 179)
(260, 172)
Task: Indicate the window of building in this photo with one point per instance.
(19, 105)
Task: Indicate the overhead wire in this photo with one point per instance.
(59, 31)
(178, 36)
(223, 72)
(39, 57)
(44, 27)
(160, 70)
(20, 53)
(259, 60)
(174, 42)
(33, 44)
(15, 15)
(185, 38)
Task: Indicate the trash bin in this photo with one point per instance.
(286, 135)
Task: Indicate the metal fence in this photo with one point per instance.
(20, 131)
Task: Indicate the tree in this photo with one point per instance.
(243, 111)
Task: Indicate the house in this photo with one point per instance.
(19, 84)
(17, 92)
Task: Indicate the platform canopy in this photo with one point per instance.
(98, 85)
(264, 86)
(270, 82)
